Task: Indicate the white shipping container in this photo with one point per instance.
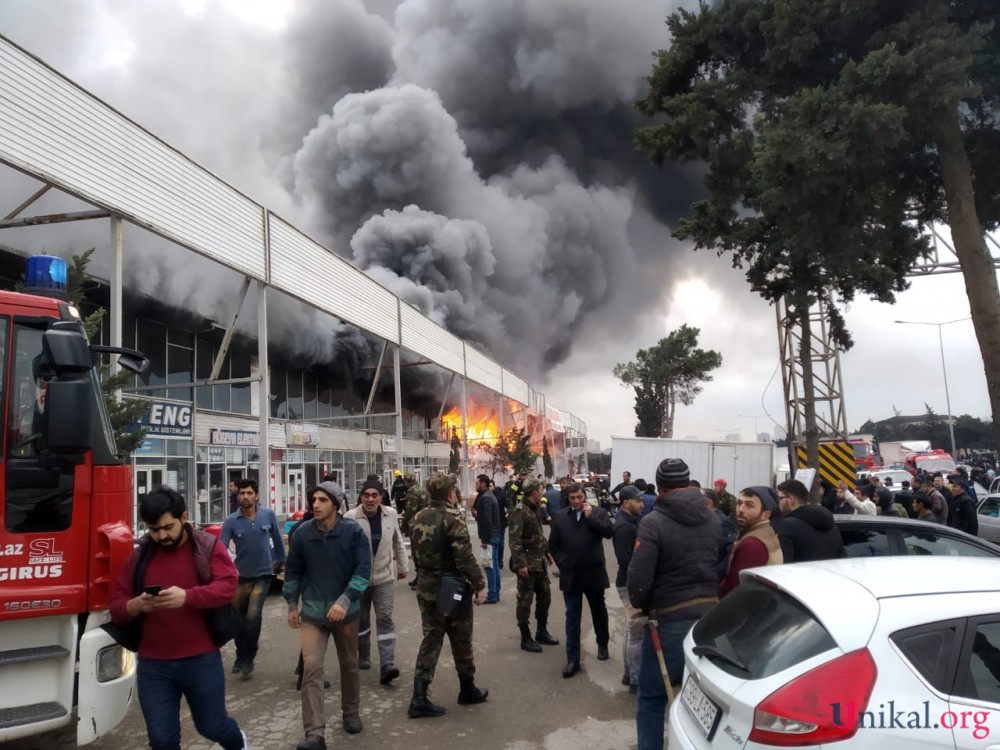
(740, 464)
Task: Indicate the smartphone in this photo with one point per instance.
(152, 590)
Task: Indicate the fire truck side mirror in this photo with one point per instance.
(69, 412)
(131, 360)
(66, 350)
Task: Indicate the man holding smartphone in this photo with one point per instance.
(260, 552)
(177, 655)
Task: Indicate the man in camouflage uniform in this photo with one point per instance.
(416, 500)
(529, 552)
(440, 545)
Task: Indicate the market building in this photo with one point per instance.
(298, 382)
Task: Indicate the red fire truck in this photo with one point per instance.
(65, 518)
(865, 457)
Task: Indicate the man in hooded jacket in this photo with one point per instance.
(757, 542)
(806, 532)
(671, 576)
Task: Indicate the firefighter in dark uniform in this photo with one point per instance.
(529, 553)
(440, 545)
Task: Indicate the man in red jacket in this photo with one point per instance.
(177, 655)
(756, 543)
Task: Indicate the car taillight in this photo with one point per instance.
(819, 706)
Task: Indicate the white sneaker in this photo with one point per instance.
(246, 745)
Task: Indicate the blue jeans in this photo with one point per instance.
(493, 574)
(652, 703)
(201, 681)
(249, 602)
(574, 612)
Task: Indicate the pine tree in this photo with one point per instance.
(547, 459)
(455, 457)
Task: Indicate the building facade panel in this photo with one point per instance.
(55, 130)
(515, 388)
(483, 370)
(304, 269)
(423, 336)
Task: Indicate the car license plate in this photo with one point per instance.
(702, 709)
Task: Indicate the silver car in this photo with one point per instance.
(989, 518)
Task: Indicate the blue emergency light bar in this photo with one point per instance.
(45, 275)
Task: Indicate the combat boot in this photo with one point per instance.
(420, 704)
(527, 644)
(470, 694)
(543, 636)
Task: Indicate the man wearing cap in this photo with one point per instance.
(727, 500)
(576, 542)
(757, 542)
(529, 555)
(671, 577)
(381, 526)
(441, 547)
(962, 509)
(625, 532)
(328, 568)
(397, 492)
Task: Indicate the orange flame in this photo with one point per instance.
(482, 423)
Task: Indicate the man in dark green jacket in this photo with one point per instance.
(328, 567)
(441, 548)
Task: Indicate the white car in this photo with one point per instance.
(989, 518)
(857, 654)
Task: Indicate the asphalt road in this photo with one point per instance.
(530, 707)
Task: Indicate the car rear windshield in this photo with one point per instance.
(758, 631)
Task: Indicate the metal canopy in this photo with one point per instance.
(57, 132)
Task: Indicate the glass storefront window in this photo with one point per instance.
(180, 369)
(151, 340)
(279, 393)
(240, 392)
(203, 369)
(294, 394)
(324, 397)
(309, 396)
(220, 393)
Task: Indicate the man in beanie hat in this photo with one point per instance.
(625, 532)
(671, 576)
(441, 547)
(380, 524)
(757, 542)
(328, 568)
(529, 554)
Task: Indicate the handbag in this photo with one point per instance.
(454, 597)
(127, 636)
(224, 624)
(486, 557)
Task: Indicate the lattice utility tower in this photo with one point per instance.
(828, 391)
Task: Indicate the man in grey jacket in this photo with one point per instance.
(381, 525)
(490, 534)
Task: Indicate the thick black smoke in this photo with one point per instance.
(475, 157)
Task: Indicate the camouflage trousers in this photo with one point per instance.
(536, 584)
(459, 632)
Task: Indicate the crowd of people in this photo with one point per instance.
(679, 548)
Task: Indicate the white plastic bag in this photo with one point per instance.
(486, 556)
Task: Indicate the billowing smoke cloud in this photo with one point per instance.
(475, 157)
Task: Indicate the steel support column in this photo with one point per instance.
(398, 388)
(264, 397)
(116, 291)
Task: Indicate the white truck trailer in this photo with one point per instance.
(740, 464)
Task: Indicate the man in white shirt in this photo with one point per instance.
(864, 506)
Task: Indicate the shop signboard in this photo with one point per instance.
(301, 434)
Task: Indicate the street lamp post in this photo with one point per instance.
(944, 371)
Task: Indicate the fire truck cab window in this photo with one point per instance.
(39, 486)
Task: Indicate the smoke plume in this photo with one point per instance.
(475, 157)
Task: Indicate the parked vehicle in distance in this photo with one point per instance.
(910, 663)
(882, 536)
(989, 518)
